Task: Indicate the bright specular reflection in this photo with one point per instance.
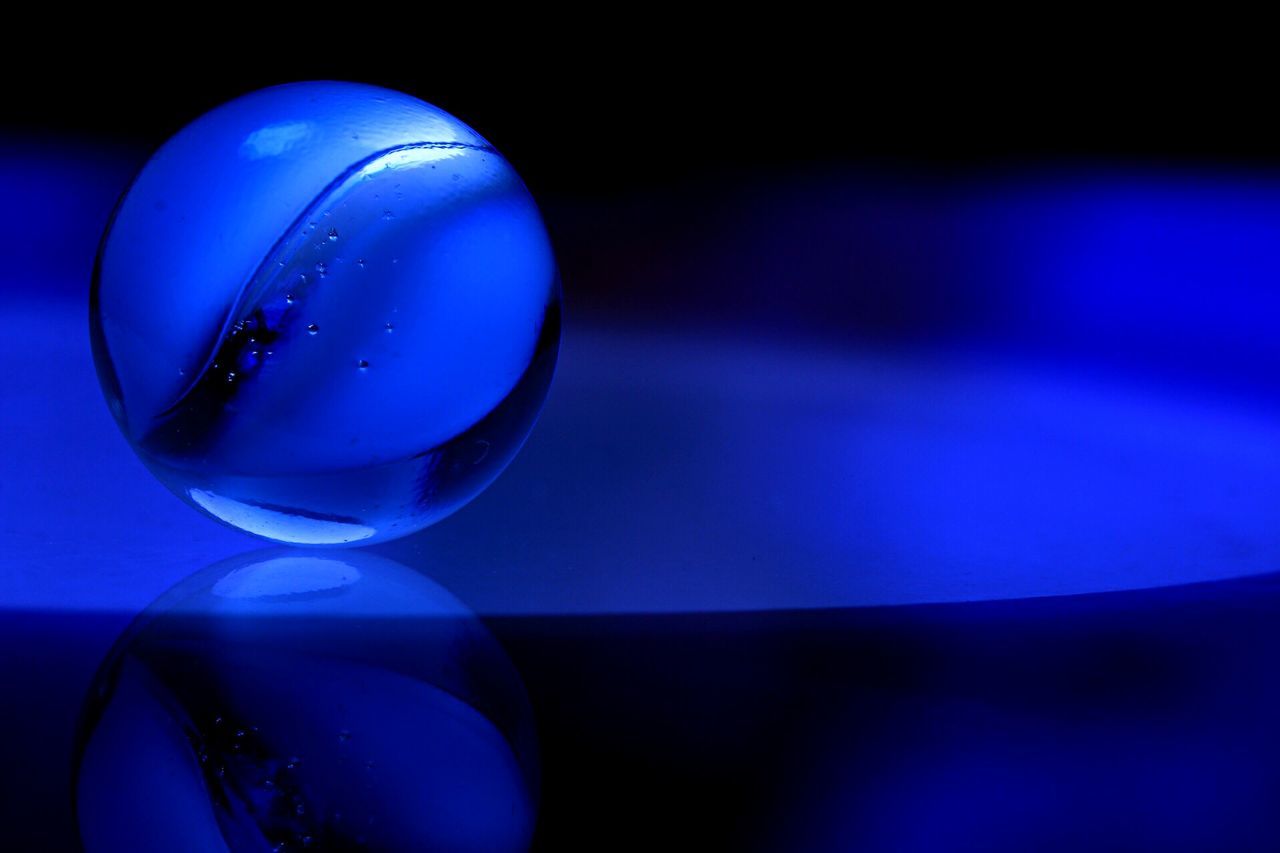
(287, 576)
(283, 526)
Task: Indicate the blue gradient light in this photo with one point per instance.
(690, 472)
(1170, 275)
(326, 313)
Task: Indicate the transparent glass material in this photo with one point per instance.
(290, 700)
(326, 313)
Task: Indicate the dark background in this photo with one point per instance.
(649, 102)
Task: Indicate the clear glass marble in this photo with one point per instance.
(326, 313)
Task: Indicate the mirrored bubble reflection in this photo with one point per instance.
(282, 700)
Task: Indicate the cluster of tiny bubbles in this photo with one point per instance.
(285, 700)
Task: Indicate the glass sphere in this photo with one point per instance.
(326, 313)
(290, 700)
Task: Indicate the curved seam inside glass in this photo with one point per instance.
(260, 273)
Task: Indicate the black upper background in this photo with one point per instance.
(583, 106)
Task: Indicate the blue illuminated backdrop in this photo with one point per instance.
(765, 566)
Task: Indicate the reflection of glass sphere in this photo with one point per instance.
(326, 313)
(283, 700)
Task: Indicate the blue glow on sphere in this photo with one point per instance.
(293, 700)
(326, 313)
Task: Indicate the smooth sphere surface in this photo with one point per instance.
(326, 313)
(297, 700)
